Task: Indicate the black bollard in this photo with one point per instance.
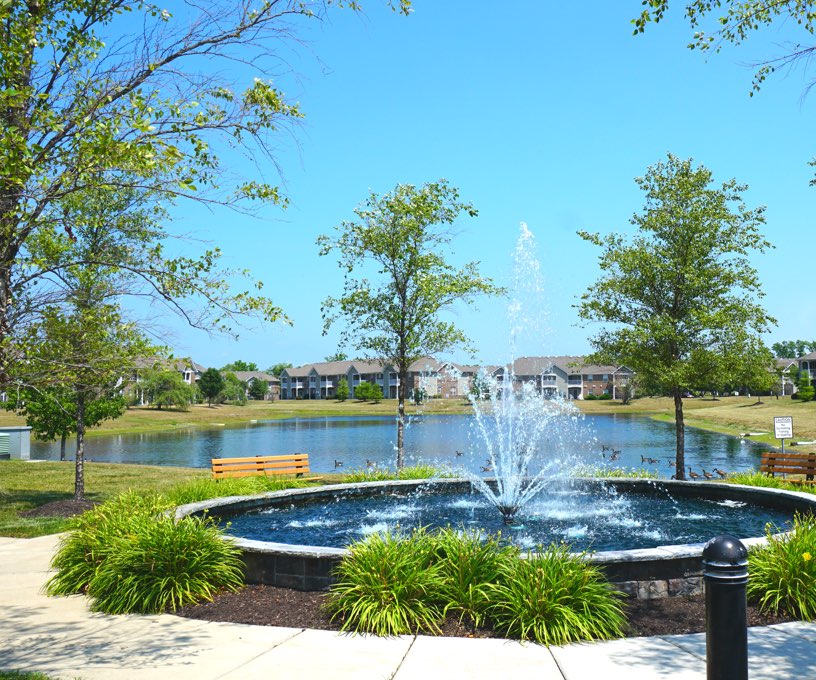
(725, 574)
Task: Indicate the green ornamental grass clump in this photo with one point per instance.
(470, 563)
(389, 584)
(382, 475)
(783, 572)
(130, 555)
(165, 565)
(392, 584)
(554, 597)
(203, 489)
(93, 537)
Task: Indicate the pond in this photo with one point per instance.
(358, 441)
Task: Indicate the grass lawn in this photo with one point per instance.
(25, 485)
(729, 415)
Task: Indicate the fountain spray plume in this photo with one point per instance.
(523, 425)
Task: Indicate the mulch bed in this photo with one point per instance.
(66, 508)
(271, 606)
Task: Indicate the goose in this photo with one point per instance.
(721, 473)
(604, 447)
(487, 468)
(653, 461)
(371, 463)
(338, 463)
(693, 474)
(707, 475)
(672, 463)
(459, 453)
(615, 455)
(644, 459)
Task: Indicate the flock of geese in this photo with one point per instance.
(615, 454)
(716, 472)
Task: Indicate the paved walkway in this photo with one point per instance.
(61, 637)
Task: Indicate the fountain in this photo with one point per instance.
(527, 430)
(528, 436)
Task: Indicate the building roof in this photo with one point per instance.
(810, 356)
(246, 376)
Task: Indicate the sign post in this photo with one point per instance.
(783, 429)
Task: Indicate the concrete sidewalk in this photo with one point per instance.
(60, 637)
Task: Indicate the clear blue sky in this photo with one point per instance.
(541, 112)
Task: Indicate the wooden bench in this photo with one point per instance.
(774, 463)
(296, 464)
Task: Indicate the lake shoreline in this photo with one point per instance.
(733, 416)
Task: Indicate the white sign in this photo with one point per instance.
(783, 427)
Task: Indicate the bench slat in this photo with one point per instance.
(790, 463)
(296, 464)
(254, 459)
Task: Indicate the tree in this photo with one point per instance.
(51, 413)
(791, 349)
(397, 320)
(756, 374)
(805, 391)
(375, 394)
(342, 391)
(85, 103)
(337, 356)
(258, 389)
(363, 391)
(681, 294)
(89, 349)
(277, 369)
(210, 384)
(233, 390)
(737, 21)
(240, 366)
(167, 389)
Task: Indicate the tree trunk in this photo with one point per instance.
(79, 482)
(680, 433)
(403, 379)
(63, 439)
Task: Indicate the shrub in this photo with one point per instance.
(94, 537)
(806, 393)
(470, 562)
(604, 396)
(165, 565)
(388, 585)
(590, 397)
(130, 556)
(554, 597)
(783, 572)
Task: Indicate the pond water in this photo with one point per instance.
(354, 441)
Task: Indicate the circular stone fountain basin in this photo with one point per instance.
(646, 535)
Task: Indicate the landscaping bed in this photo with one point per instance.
(270, 606)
